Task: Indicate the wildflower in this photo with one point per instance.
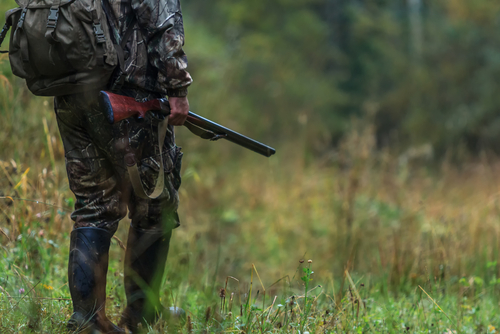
(48, 287)
(21, 291)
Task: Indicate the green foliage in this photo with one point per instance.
(304, 69)
(307, 305)
(323, 62)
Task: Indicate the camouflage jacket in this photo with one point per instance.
(154, 59)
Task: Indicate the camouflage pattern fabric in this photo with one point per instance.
(94, 151)
(154, 58)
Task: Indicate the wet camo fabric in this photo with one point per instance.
(154, 58)
(94, 152)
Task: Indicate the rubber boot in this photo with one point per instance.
(144, 267)
(87, 269)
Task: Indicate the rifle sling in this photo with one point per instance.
(201, 132)
(133, 170)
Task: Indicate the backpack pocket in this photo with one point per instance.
(90, 44)
(18, 56)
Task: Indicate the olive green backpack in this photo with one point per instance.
(61, 47)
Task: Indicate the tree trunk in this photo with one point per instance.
(416, 29)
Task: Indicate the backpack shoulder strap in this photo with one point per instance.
(119, 47)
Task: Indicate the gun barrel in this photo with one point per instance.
(231, 135)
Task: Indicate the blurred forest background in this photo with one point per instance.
(384, 117)
(424, 72)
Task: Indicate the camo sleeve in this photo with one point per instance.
(161, 20)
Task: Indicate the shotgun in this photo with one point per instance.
(118, 107)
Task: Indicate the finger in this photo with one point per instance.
(172, 121)
(180, 120)
(178, 123)
(179, 112)
(177, 119)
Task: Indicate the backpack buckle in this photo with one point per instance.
(53, 16)
(99, 33)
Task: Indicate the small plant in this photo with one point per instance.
(307, 306)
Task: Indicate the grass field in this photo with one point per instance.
(394, 246)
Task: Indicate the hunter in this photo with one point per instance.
(155, 64)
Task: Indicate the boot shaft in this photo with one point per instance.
(87, 270)
(145, 260)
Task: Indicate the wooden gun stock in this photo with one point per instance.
(117, 107)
